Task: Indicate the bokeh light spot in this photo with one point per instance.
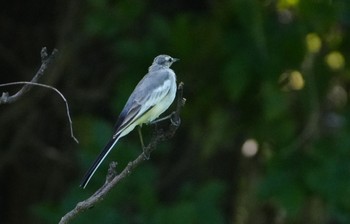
(292, 80)
(250, 148)
(335, 60)
(313, 43)
(284, 4)
(296, 80)
(338, 96)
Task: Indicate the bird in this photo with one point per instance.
(152, 96)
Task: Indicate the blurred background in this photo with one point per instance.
(265, 130)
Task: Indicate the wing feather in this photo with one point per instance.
(149, 92)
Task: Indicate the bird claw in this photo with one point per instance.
(146, 154)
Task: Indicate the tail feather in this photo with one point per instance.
(98, 161)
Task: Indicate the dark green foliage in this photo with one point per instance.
(249, 73)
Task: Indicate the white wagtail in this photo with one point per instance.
(150, 98)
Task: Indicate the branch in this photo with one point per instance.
(112, 179)
(29, 84)
(45, 62)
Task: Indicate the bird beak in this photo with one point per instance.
(175, 59)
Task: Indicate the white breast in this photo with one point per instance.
(164, 104)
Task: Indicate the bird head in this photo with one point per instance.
(164, 60)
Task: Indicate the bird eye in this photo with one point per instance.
(170, 59)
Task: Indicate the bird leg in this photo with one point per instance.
(170, 116)
(146, 154)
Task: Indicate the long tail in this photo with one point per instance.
(98, 161)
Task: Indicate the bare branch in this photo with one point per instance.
(112, 179)
(29, 84)
(45, 62)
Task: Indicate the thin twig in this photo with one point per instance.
(45, 62)
(101, 193)
(49, 87)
